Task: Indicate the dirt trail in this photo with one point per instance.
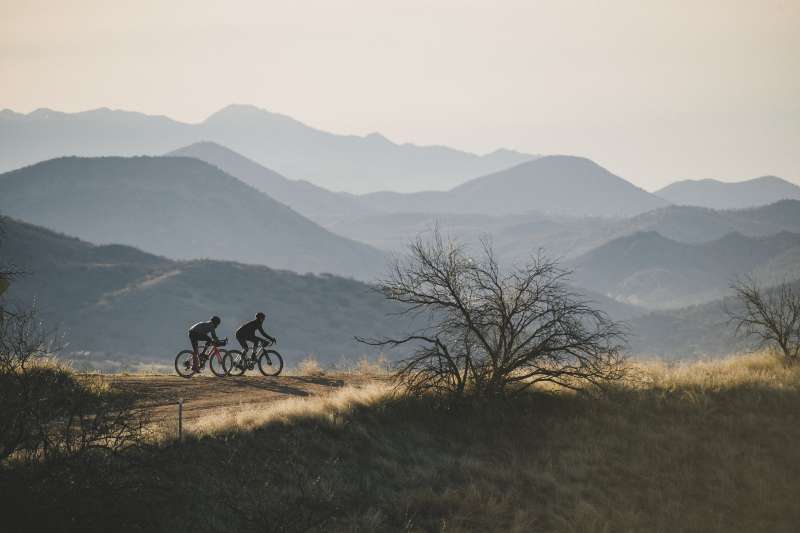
(203, 394)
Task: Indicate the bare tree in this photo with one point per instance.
(496, 333)
(772, 316)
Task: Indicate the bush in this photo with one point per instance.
(48, 411)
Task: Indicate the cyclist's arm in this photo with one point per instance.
(214, 334)
(267, 335)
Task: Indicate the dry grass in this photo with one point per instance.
(704, 446)
(308, 366)
(327, 408)
(693, 447)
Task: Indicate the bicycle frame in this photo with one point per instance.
(214, 352)
(255, 353)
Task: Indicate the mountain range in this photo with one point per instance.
(562, 185)
(115, 302)
(291, 148)
(724, 195)
(181, 208)
(644, 257)
(516, 237)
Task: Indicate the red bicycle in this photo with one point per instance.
(183, 361)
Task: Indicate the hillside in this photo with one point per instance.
(702, 447)
(650, 270)
(725, 195)
(320, 205)
(697, 331)
(557, 185)
(178, 207)
(337, 162)
(120, 303)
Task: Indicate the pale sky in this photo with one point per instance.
(654, 90)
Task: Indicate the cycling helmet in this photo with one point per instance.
(216, 320)
(260, 316)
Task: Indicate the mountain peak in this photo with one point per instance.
(378, 138)
(238, 112)
(10, 113)
(44, 112)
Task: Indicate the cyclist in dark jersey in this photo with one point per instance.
(247, 332)
(202, 331)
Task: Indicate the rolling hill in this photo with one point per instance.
(178, 207)
(692, 332)
(117, 302)
(723, 195)
(555, 185)
(653, 271)
(320, 205)
(337, 162)
(516, 237)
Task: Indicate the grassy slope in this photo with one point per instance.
(705, 447)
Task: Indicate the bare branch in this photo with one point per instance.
(494, 332)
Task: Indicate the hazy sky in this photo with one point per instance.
(653, 90)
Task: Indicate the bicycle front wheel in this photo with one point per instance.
(183, 364)
(217, 364)
(233, 363)
(270, 363)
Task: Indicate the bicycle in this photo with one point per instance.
(216, 358)
(270, 362)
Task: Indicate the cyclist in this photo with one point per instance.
(247, 332)
(200, 332)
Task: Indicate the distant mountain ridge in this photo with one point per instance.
(517, 237)
(555, 184)
(178, 207)
(726, 195)
(336, 162)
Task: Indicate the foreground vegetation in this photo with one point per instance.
(707, 446)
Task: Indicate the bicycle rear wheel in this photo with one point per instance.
(183, 364)
(233, 363)
(217, 364)
(270, 363)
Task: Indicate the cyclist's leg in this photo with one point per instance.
(256, 341)
(243, 342)
(207, 339)
(195, 340)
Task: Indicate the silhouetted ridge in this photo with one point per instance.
(291, 148)
(559, 185)
(723, 195)
(179, 207)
